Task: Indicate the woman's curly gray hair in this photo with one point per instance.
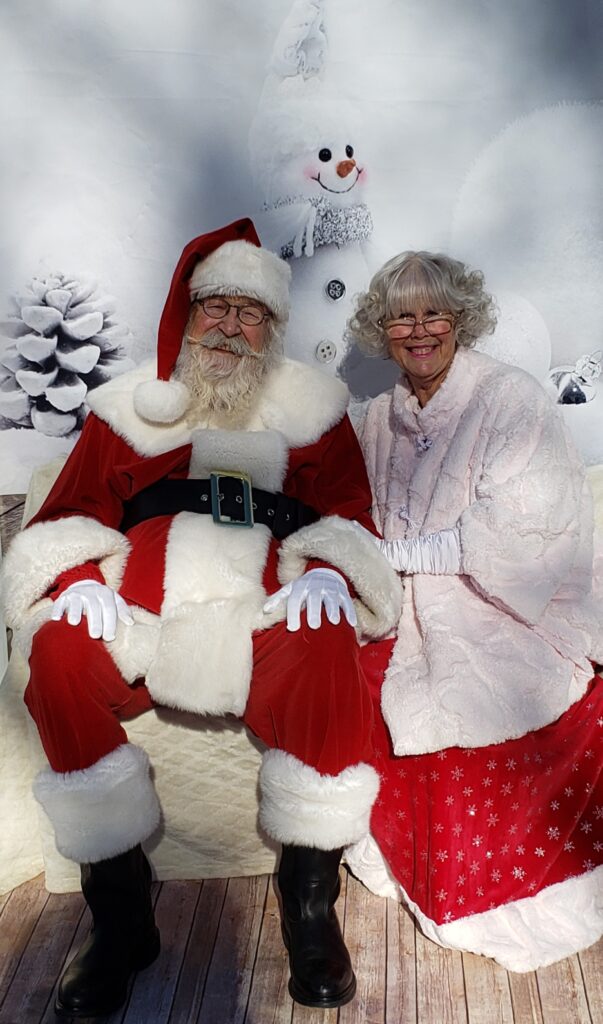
(422, 280)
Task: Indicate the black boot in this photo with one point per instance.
(123, 938)
(321, 971)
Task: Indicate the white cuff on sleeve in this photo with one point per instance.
(436, 553)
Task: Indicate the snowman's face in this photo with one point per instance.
(331, 170)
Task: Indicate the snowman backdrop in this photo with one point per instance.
(472, 128)
(307, 156)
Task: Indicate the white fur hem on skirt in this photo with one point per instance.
(520, 936)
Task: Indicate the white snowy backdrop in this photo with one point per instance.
(125, 130)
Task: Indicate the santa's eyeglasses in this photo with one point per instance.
(218, 308)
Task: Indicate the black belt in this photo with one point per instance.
(228, 497)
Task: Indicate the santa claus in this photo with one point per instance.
(204, 549)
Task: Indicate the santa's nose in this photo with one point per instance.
(345, 167)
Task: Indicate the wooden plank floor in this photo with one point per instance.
(223, 962)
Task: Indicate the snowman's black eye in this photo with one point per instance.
(325, 155)
(349, 151)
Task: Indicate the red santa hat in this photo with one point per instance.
(229, 261)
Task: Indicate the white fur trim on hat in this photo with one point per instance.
(301, 807)
(161, 401)
(103, 810)
(240, 268)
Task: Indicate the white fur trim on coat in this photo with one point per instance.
(42, 551)
(262, 454)
(102, 810)
(301, 807)
(351, 549)
(296, 400)
(212, 604)
(241, 268)
(521, 936)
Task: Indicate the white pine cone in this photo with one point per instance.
(60, 342)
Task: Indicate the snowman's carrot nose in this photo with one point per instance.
(345, 167)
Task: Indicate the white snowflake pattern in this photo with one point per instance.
(422, 777)
(589, 753)
(441, 755)
(553, 832)
(474, 867)
(470, 753)
(424, 855)
(511, 764)
(569, 846)
(401, 815)
(489, 803)
(457, 774)
(492, 820)
(491, 765)
(539, 851)
(460, 900)
(598, 812)
(512, 830)
(528, 828)
(526, 758)
(520, 850)
(472, 810)
(519, 873)
(496, 875)
(434, 776)
(449, 801)
(586, 827)
(402, 773)
(461, 880)
(438, 827)
(575, 767)
(447, 916)
(515, 806)
(486, 781)
(597, 847)
(531, 886)
(460, 855)
(507, 788)
(568, 791)
(489, 854)
(600, 721)
(457, 829)
(588, 865)
(397, 792)
(554, 805)
(549, 770)
(441, 895)
(468, 790)
(505, 849)
(477, 840)
(479, 891)
(442, 855)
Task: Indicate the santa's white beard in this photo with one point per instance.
(219, 381)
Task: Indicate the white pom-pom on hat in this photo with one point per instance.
(240, 268)
(161, 401)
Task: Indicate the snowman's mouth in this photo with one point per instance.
(339, 191)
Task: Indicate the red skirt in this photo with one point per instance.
(467, 830)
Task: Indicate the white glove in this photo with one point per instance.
(314, 590)
(101, 605)
(436, 553)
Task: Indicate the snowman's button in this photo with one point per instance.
(335, 289)
(326, 351)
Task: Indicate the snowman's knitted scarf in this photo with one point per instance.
(334, 225)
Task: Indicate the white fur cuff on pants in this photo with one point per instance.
(102, 810)
(301, 807)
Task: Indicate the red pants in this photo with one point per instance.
(308, 696)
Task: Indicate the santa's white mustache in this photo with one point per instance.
(215, 339)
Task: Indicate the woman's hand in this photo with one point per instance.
(438, 553)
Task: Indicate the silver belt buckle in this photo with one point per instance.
(216, 498)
